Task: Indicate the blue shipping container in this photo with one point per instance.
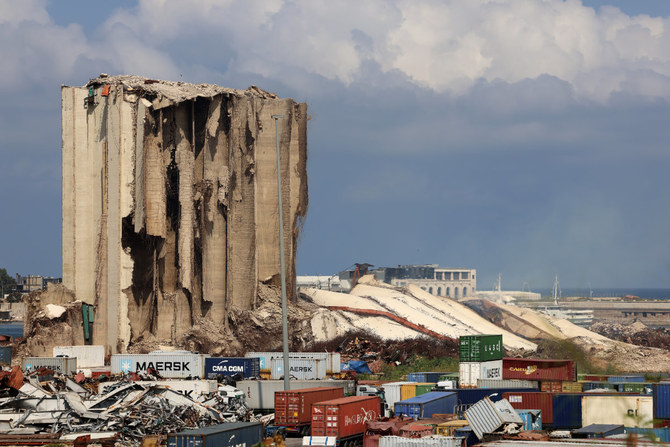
(532, 419)
(595, 431)
(469, 396)
(469, 435)
(635, 378)
(657, 434)
(230, 366)
(662, 401)
(425, 377)
(598, 386)
(425, 405)
(567, 410)
(5, 355)
(223, 435)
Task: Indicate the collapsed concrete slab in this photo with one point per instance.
(170, 201)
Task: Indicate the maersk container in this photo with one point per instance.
(538, 369)
(620, 379)
(662, 400)
(470, 373)
(194, 389)
(232, 434)
(480, 348)
(532, 401)
(424, 406)
(170, 366)
(410, 390)
(424, 377)
(332, 359)
(502, 383)
(627, 410)
(63, 365)
(5, 355)
(88, 356)
(300, 369)
(344, 418)
(293, 408)
(532, 419)
(231, 366)
(260, 394)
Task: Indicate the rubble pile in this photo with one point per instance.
(636, 334)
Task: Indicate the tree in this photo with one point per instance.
(7, 283)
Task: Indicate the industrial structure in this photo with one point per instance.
(170, 201)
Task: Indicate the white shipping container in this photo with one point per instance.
(426, 441)
(630, 411)
(471, 372)
(333, 359)
(87, 355)
(63, 365)
(260, 394)
(189, 388)
(170, 366)
(300, 369)
(392, 394)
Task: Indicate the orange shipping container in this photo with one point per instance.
(344, 418)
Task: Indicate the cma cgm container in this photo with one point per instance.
(293, 408)
(424, 377)
(661, 395)
(300, 369)
(537, 369)
(332, 359)
(232, 434)
(259, 394)
(232, 366)
(63, 365)
(532, 401)
(627, 410)
(480, 348)
(470, 373)
(344, 418)
(426, 405)
(87, 355)
(178, 365)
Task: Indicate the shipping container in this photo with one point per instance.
(551, 386)
(468, 435)
(592, 377)
(628, 410)
(532, 401)
(260, 394)
(596, 431)
(426, 405)
(424, 377)
(426, 441)
(409, 390)
(232, 434)
(178, 365)
(5, 355)
(293, 408)
(571, 387)
(567, 411)
(449, 428)
(62, 365)
(513, 383)
(661, 395)
(470, 373)
(634, 387)
(631, 378)
(537, 369)
(480, 348)
(301, 369)
(231, 366)
(469, 396)
(653, 434)
(333, 359)
(487, 417)
(344, 418)
(392, 394)
(449, 376)
(374, 430)
(194, 389)
(88, 356)
(532, 419)
(586, 386)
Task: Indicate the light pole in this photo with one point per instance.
(284, 310)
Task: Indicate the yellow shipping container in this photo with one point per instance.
(631, 411)
(448, 428)
(408, 390)
(571, 387)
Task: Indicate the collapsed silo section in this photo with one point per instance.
(170, 201)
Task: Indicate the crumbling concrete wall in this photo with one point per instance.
(170, 201)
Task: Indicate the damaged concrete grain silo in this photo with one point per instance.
(170, 201)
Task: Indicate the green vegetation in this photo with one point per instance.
(7, 283)
(418, 364)
(568, 350)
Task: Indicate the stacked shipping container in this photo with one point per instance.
(479, 358)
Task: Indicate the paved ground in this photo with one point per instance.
(293, 442)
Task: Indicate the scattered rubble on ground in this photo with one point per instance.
(636, 334)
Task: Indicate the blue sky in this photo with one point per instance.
(527, 138)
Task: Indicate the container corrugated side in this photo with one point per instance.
(469, 396)
(629, 378)
(571, 387)
(480, 348)
(410, 390)
(426, 405)
(300, 369)
(532, 419)
(598, 386)
(233, 434)
(171, 366)
(539, 369)
(532, 401)
(567, 411)
(231, 366)
(627, 410)
(333, 359)
(426, 441)
(5, 355)
(510, 383)
(88, 356)
(63, 365)
(661, 395)
(471, 372)
(193, 389)
(551, 386)
(260, 394)
(294, 407)
(392, 393)
(343, 418)
(424, 377)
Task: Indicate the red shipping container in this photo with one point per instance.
(293, 408)
(383, 427)
(342, 418)
(661, 423)
(533, 400)
(550, 387)
(537, 369)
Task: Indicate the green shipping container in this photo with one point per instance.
(633, 387)
(450, 376)
(480, 348)
(423, 389)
